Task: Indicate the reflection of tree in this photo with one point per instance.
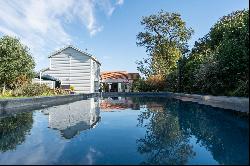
(169, 124)
(164, 142)
(225, 135)
(14, 129)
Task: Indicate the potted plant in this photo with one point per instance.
(72, 88)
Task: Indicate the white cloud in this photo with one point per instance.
(106, 6)
(40, 24)
(119, 2)
(91, 156)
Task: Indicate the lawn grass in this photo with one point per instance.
(15, 97)
(10, 97)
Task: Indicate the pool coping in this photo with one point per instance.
(9, 106)
(239, 104)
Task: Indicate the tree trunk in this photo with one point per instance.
(3, 91)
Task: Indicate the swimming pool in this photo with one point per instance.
(125, 130)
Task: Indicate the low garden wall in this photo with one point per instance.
(8, 106)
(233, 103)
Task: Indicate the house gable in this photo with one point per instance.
(75, 51)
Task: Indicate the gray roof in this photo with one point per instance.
(47, 77)
(77, 49)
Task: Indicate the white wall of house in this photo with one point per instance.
(74, 68)
(95, 76)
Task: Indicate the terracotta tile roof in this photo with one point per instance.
(119, 75)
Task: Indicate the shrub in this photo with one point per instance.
(59, 91)
(34, 89)
(153, 83)
(72, 88)
(20, 81)
(172, 82)
(140, 86)
(7, 93)
(37, 90)
(156, 83)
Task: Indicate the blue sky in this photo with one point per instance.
(106, 28)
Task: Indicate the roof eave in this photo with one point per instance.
(77, 49)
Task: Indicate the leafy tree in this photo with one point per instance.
(224, 63)
(15, 62)
(191, 65)
(205, 78)
(219, 62)
(165, 40)
(230, 42)
(172, 81)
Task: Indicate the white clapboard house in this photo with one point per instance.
(74, 67)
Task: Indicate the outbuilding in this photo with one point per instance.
(118, 81)
(76, 68)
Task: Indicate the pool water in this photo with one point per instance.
(124, 130)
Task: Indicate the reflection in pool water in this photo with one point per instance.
(118, 103)
(13, 130)
(164, 141)
(171, 126)
(158, 131)
(74, 117)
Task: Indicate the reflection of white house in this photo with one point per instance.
(74, 67)
(72, 118)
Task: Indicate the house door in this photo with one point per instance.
(114, 87)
